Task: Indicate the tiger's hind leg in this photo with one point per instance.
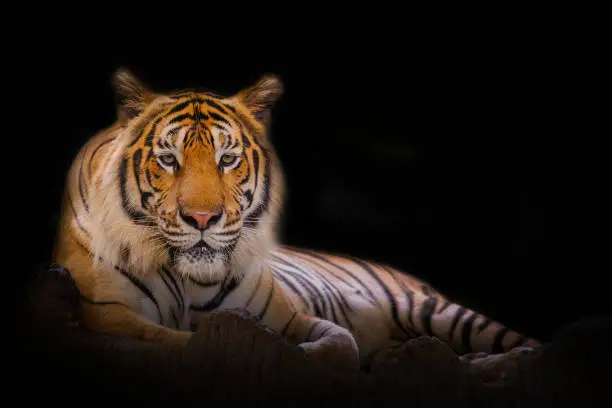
(463, 329)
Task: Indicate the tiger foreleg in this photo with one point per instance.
(106, 308)
(119, 319)
(321, 340)
(326, 342)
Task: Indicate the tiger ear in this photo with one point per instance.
(132, 95)
(261, 96)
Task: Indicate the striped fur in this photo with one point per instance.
(144, 270)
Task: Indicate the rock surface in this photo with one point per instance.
(232, 359)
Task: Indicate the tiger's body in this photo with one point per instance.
(172, 212)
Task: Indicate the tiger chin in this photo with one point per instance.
(172, 212)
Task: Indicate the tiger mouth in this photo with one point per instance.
(199, 250)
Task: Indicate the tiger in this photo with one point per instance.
(173, 211)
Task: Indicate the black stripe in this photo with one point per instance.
(76, 217)
(136, 158)
(325, 331)
(427, 309)
(140, 285)
(180, 118)
(170, 289)
(196, 109)
(337, 300)
(176, 322)
(81, 176)
(230, 241)
(178, 107)
(284, 330)
(101, 303)
(337, 295)
(144, 289)
(84, 248)
(312, 328)
(206, 135)
(149, 182)
(246, 305)
(305, 254)
(374, 275)
(406, 292)
(232, 222)
(145, 198)
(263, 311)
(175, 234)
(226, 233)
(256, 170)
(315, 255)
(280, 277)
(444, 306)
(227, 140)
(410, 296)
(521, 339)
(91, 157)
(318, 302)
(130, 211)
(226, 288)
(149, 138)
(328, 295)
(218, 126)
(176, 287)
(484, 324)
(314, 293)
(466, 332)
(458, 315)
(215, 105)
(248, 195)
(172, 133)
(140, 133)
(253, 217)
(498, 345)
(218, 117)
(245, 141)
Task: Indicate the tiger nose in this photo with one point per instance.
(200, 219)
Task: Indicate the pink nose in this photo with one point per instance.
(200, 219)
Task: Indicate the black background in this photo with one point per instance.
(472, 167)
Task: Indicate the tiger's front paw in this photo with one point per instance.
(337, 350)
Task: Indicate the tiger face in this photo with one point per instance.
(196, 173)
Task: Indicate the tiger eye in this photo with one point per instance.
(168, 160)
(228, 159)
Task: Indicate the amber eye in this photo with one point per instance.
(167, 159)
(227, 160)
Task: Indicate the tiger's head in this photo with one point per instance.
(192, 181)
